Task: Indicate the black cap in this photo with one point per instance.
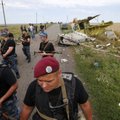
(11, 35)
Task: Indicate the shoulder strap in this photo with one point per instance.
(65, 98)
(46, 46)
(44, 116)
(70, 83)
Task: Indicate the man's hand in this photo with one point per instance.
(4, 55)
(1, 101)
(43, 53)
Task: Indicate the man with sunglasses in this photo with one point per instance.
(55, 95)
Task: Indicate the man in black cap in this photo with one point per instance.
(8, 53)
(55, 96)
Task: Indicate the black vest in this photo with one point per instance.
(42, 100)
(2, 67)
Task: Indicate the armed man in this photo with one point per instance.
(46, 48)
(55, 95)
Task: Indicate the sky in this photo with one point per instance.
(41, 11)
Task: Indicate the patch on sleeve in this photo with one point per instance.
(67, 76)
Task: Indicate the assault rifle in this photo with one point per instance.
(53, 52)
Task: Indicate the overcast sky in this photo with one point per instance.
(37, 11)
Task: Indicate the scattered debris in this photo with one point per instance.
(119, 104)
(63, 60)
(111, 35)
(96, 64)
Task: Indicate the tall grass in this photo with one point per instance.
(101, 73)
(15, 29)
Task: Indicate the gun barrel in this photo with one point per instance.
(53, 52)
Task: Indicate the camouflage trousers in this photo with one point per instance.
(12, 62)
(9, 110)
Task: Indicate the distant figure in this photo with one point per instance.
(42, 28)
(31, 31)
(24, 28)
(36, 28)
(26, 45)
(21, 28)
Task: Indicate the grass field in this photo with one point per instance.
(15, 29)
(101, 74)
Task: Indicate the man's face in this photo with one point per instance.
(43, 38)
(50, 81)
(5, 38)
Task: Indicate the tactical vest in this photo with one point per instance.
(2, 67)
(42, 100)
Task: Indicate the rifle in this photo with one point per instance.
(52, 52)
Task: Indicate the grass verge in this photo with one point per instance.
(101, 74)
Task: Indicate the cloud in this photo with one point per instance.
(17, 5)
(59, 3)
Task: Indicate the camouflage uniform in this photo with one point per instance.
(10, 109)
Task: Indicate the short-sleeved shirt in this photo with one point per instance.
(7, 79)
(25, 38)
(80, 93)
(5, 46)
(46, 47)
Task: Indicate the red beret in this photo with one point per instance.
(45, 66)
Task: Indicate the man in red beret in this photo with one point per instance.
(55, 95)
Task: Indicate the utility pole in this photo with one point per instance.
(36, 18)
(3, 12)
(66, 19)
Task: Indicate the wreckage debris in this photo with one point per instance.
(74, 38)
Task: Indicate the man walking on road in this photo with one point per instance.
(54, 95)
(26, 45)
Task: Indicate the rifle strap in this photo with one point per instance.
(46, 46)
(65, 99)
(44, 116)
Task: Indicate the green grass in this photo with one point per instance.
(15, 29)
(101, 74)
